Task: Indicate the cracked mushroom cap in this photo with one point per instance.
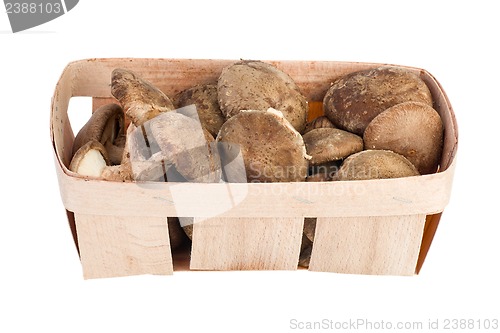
(272, 150)
(375, 164)
(256, 85)
(105, 126)
(331, 144)
(140, 99)
(205, 98)
(354, 100)
(412, 129)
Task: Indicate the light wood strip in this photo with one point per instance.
(427, 194)
(246, 244)
(121, 246)
(386, 245)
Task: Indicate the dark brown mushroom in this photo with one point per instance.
(354, 100)
(106, 125)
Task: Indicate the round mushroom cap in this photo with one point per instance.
(331, 144)
(205, 98)
(140, 99)
(354, 100)
(412, 129)
(184, 145)
(375, 164)
(272, 150)
(105, 125)
(256, 85)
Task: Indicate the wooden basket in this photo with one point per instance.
(363, 227)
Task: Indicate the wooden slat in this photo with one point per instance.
(246, 244)
(121, 246)
(427, 194)
(386, 245)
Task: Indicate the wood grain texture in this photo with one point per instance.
(387, 245)
(121, 246)
(427, 194)
(246, 244)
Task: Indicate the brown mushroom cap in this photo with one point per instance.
(355, 99)
(331, 144)
(140, 99)
(412, 129)
(320, 122)
(184, 145)
(255, 85)
(206, 100)
(90, 160)
(375, 164)
(105, 126)
(273, 151)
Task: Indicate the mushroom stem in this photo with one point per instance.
(92, 160)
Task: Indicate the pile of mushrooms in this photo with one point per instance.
(377, 123)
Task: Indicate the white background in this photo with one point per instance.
(41, 284)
